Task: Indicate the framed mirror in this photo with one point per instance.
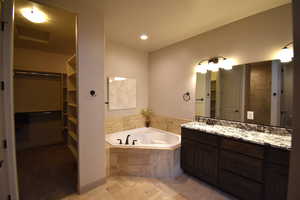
(260, 93)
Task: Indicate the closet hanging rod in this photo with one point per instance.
(40, 112)
(34, 73)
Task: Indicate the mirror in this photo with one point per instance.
(121, 93)
(260, 93)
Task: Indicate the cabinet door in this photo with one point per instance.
(276, 182)
(205, 166)
(199, 160)
(187, 156)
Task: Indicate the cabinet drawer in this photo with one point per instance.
(199, 136)
(253, 150)
(277, 156)
(243, 165)
(240, 187)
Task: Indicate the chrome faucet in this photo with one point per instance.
(127, 140)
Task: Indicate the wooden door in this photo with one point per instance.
(231, 91)
(203, 95)
(258, 92)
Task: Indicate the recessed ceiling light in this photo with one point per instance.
(34, 15)
(144, 37)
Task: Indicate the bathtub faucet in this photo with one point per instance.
(127, 140)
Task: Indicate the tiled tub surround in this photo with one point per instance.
(116, 124)
(275, 140)
(156, 155)
(167, 123)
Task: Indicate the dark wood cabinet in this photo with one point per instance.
(246, 170)
(242, 165)
(276, 182)
(240, 187)
(187, 156)
(206, 160)
(200, 160)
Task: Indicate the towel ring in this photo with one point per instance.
(186, 96)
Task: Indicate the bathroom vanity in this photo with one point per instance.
(247, 164)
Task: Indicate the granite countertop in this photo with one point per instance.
(278, 141)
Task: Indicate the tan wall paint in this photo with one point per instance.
(126, 62)
(294, 177)
(91, 46)
(255, 38)
(36, 60)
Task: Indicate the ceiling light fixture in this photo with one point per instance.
(144, 37)
(286, 54)
(214, 64)
(34, 15)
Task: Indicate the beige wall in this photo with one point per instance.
(171, 71)
(126, 62)
(30, 59)
(91, 46)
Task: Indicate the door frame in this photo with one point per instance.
(6, 76)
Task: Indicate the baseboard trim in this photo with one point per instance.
(91, 186)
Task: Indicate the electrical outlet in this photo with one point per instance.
(250, 115)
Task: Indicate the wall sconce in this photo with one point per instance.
(214, 64)
(286, 54)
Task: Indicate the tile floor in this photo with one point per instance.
(138, 188)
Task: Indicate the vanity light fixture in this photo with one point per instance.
(286, 54)
(214, 64)
(34, 15)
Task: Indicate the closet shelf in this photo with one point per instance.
(72, 104)
(73, 150)
(73, 136)
(72, 61)
(73, 120)
(72, 75)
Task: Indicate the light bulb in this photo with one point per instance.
(286, 55)
(227, 64)
(34, 15)
(214, 67)
(119, 79)
(201, 68)
(144, 37)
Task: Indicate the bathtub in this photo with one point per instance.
(145, 137)
(156, 153)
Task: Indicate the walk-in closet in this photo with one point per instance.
(45, 102)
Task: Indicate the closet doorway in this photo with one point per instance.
(45, 101)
